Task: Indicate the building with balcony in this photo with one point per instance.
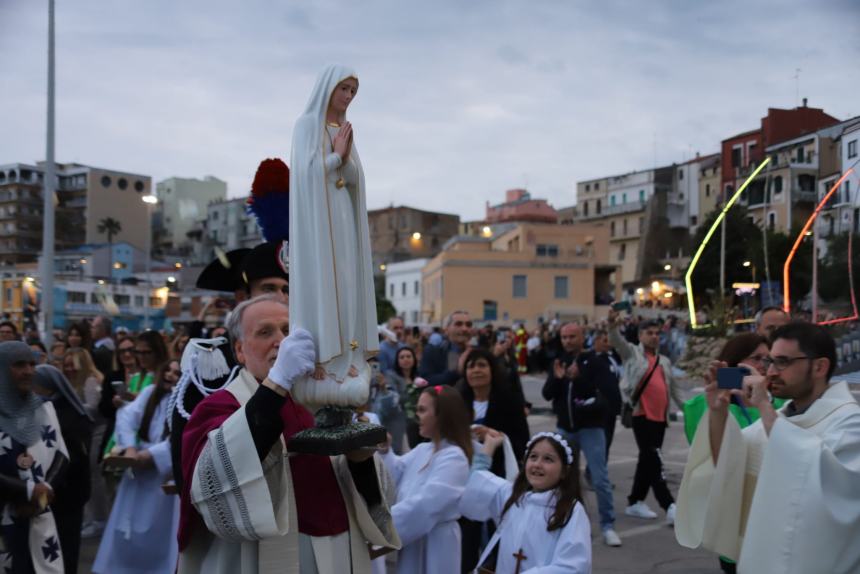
(532, 273)
(709, 188)
(840, 143)
(85, 196)
(182, 202)
(403, 233)
(227, 225)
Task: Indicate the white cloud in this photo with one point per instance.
(458, 100)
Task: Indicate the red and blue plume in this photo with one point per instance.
(270, 199)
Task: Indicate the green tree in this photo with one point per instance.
(833, 284)
(110, 227)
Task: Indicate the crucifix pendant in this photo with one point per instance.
(339, 183)
(520, 557)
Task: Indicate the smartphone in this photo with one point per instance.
(117, 385)
(622, 306)
(731, 377)
(473, 342)
(502, 336)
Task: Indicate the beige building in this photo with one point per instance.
(85, 196)
(709, 186)
(403, 233)
(532, 272)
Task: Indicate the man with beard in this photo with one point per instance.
(783, 494)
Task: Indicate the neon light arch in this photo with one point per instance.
(688, 279)
(786, 268)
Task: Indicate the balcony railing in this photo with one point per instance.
(628, 207)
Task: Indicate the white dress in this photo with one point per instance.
(565, 550)
(141, 532)
(429, 486)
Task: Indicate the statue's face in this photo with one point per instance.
(264, 326)
(343, 95)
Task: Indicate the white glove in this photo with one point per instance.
(296, 356)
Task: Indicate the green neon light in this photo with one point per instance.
(688, 278)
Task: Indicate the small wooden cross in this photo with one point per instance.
(520, 557)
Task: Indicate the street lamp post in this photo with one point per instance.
(47, 267)
(150, 200)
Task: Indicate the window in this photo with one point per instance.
(707, 190)
(414, 317)
(547, 250)
(694, 220)
(416, 288)
(642, 225)
(736, 156)
(587, 187)
(561, 291)
(641, 196)
(520, 287)
(122, 300)
(680, 174)
(122, 183)
(76, 297)
(852, 149)
(138, 300)
(105, 181)
(598, 207)
(800, 155)
(847, 191)
(491, 310)
(612, 200)
(585, 209)
(596, 186)
(138, 187)
(403, 289)
(391, 291)
(154, 302)
(622, 250)
(623, 198)
(611, 229)
(624, 227)
(777, 184)
(771, 220)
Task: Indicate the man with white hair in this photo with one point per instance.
(246, 507)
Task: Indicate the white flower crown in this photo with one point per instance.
(557, 438)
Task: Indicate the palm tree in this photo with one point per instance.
(110, 227)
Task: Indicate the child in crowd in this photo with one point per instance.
(540, 518)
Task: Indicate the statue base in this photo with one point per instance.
(335, 434)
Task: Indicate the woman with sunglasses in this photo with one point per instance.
(116, 382)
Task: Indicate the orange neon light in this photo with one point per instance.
(786, 299)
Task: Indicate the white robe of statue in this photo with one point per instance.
(788, 502)
(331, 269)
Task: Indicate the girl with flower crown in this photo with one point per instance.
(540, 518)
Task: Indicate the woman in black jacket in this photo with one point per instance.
(76, 427)
(494, 404)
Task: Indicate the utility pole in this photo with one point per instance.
(49, 186)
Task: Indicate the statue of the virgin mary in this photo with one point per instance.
(331, 270)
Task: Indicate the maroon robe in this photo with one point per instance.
(319, 503)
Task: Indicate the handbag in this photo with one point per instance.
(627, 407)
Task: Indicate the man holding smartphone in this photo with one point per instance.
(783, 494)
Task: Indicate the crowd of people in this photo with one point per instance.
(466, 480)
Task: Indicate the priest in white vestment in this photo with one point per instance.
(248, 507)
(782, 495)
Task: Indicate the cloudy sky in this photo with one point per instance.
(459, 100)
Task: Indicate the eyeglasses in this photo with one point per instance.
(139, 352)
(780, 363)
(126, 350)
